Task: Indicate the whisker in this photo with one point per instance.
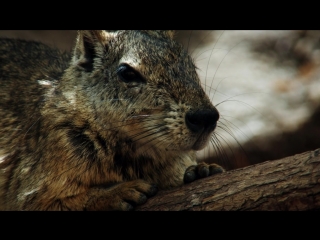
(144, 118)
(210, 88)
(189, 40)
(219, 149)
(159, 143)
(241, 94)
(244, 103)
(225, 140)
(205, 79)
(197, 56)
(146, 131)
(151, 140)
(226, 128)
(220, 65)
(239, 144)
(31, 127)
(233, 125)
(200, 42)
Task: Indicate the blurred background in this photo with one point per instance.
(265, 84)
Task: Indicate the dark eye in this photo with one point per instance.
(128, 74)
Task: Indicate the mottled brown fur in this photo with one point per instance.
(76, 135)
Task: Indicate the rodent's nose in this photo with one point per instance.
(203, 119)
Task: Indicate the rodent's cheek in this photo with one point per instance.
(179, 136)
(134, 90)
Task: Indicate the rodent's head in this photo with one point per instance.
(143, 86)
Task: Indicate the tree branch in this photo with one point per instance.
(291, 183)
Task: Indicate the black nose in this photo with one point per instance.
(203, 119)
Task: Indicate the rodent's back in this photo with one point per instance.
(30, 60)
(22, 65)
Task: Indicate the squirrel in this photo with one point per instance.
(103, 127)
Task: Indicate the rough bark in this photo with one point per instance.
(291, 183)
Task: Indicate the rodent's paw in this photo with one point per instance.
(200, 171)
(130, 194)
(122, 197)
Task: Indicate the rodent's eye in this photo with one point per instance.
(128, 74)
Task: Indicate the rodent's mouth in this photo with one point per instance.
(202, 140)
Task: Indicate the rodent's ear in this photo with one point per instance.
(161, 33)
(90, 43)
(170, 33)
